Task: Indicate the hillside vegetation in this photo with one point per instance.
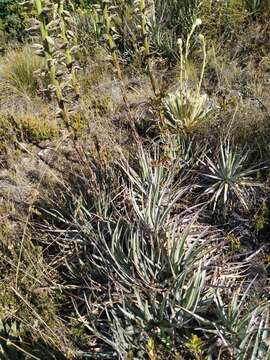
(134, 179)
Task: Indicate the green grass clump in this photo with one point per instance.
(17, 72)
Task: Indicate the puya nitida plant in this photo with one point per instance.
(228, 177)
(68, 45)
(57, 45)
(187, 107)
(145, 24)
(111, 35)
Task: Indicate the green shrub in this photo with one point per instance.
(27, 128)
(13, 21)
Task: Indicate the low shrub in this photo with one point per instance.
(27, 128)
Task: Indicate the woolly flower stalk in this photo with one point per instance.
(201, 37)
(180, 42)
(198, 22)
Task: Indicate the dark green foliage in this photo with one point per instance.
(13, 20)
(84, 4)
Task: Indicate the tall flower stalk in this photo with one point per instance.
(52, 23)
(144, 26)
(110, 38)
(186, 108)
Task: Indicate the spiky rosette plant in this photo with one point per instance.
(56, 45)
(146, 273)
(243, 328)
(228, 178)
(140, 242)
